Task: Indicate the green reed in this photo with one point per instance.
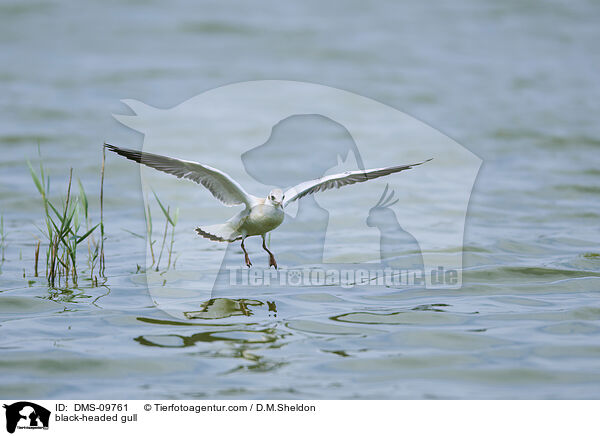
(102, 264)
(170, 224)
(62, 233)
(172, 220)
(94, 247)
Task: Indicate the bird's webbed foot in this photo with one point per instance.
(272, 261)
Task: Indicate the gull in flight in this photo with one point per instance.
(261, 215)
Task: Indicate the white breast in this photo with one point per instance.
(262, 219)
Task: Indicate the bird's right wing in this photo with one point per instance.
(220, 184)
(339, 180)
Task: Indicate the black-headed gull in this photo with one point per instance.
(261, 215)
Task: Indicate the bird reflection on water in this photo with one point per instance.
(239, 340)
(217, 308)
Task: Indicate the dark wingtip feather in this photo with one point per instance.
(134, 155)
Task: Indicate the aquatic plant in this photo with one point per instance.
(93, 246)
(36, 258)
(101, 260)
(170, 223)
(62, 232)
(172, 220)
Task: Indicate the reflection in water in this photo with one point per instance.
(237, 340)
(236, 336)
(340, 353)
(431, 307)
(235, 343)
(426, 313)
(272, 308)
(218, 308)
(78, 295)
(345, 317)
(67, 295)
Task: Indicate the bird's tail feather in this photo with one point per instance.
(219, 232)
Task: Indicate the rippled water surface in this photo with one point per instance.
(516, 83)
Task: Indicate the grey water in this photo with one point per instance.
(514, 82)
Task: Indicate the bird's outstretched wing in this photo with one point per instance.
(220, 184)
(339, 180)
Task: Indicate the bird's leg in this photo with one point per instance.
(271, 257)
(248, 263)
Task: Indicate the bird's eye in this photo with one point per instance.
(272, 197)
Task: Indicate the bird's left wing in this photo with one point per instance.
(339, 180)
(221, 185)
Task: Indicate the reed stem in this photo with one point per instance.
(102, 265)
(37, 256)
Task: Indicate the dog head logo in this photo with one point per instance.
(26, 415)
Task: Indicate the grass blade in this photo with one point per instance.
(137, 235)
(36, 180)
(84, 200)
(165, 211)
(88, 233)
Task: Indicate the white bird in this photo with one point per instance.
(261, 215)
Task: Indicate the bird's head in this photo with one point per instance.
(275, 197)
